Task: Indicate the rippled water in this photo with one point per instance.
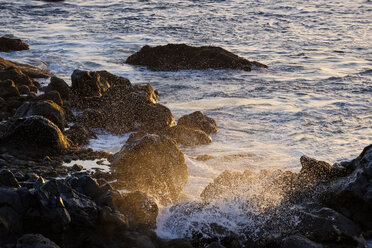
(314, 99)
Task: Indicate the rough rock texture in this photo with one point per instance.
(314, 169)
(9, 44)
(58, 84)
(47, 109)
(51, 95)
(114, 80)
(80, 135)
(29, 70)
(7, 179)
(152, 164)
(8, 89)
(175, 57)
(35, 240)
(16, 75)
(187, 136)
(88, 84)
(33, 136)
(198, 120)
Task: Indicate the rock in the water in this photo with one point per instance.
(9, 44)
(7, 179)
(198, 120)
(314, 169)
(88, 84)
(47, 109)
(114, 80)
(16, 75)
(175, 57)
(33, 136)
(59, 85)
(140, 208)
(187, 136)
(29, 70)
(8, 89)
(35, 240)
(24, 90)
(152, 164)
(79, 134)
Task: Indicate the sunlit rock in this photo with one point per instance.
(59, 85)
(198, 120)
(175, 57)
(187, 136)
(9, 44)
(152, 164)
(88, 84)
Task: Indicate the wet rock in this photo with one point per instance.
(136, 112)
(313, 169)
(88, 84)
(77, 167)
(198, 120)
(8, 89)
(295, 241)
(35, 240)
(178, 243)
(187, 136)
(204, 157)
(114, 80)
(175, 57)
(47, 109)
(152, 164)
(59, 85)
(92, 118)
(140, 209)
(80, 135)
(16, 75)
(82, 182)
(52, 96)
(28, 70)
(33, 136)
(9, 44)
(7, 179)
(24, 90)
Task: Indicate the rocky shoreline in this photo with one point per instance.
(46, 204)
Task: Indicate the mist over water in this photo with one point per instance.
(315, 98)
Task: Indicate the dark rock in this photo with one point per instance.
(296, 241)
(16, 75)
(187, 136)
(11, 211)
(215, 245)
(59, 85)
(80, 134)
(33, 136)
(52, 96)
(175, 57)
(35, 240)
(77, 167)
(28, 70)
(47, 109)
(140, 209)
(82, 182)
(8, 89)
(313, 169)
(197, 120)
(92, 118)
(178, 243)
(152, 164)
(24, 90)
(7, 179)
(88, 84)
(114, 80)
(9, 44)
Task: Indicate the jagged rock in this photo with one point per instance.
(197, 120)
(29, 70)
(187, 136)
(92, 118)
(152, 164)
(114, 80)
(175, 57)
(33, 136)
(9, 44)
(47, 109)
(7, 179)
(52, 96)
(59, 85)
(35, 240)
(140, 208)
(313, 169)
(88, 84)
(83, 183)
(8, 89)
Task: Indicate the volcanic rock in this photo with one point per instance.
(175, 57)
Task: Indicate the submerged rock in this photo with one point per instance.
(9, 44)
(152, 164)
(175, 57)
(198, 120)
(33, 136)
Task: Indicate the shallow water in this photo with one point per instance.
(314, 99)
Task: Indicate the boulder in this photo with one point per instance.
(47, 109)
(29, 70)
(59, 85)
(9, 44)
(8, 89)
(313, 169)
(33, 136)
(114, 80)
(92, 118)
(35, 240)
(80, 135)
(140, 209)
(175, 57)
(198, 120)
(83, 183)
(16, 75)
(88, 84)
(295, 241)
(7, 179)
(51, 95)
(187, 136)
(152, 164)
(24, 90)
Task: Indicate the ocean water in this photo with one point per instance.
(315, 99)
